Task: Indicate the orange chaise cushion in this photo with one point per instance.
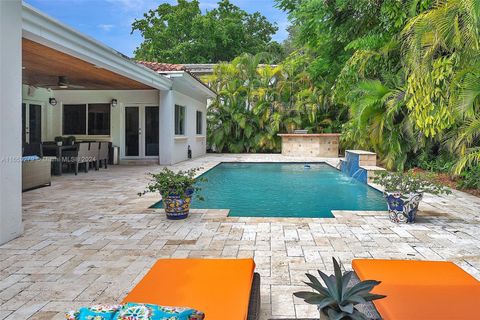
(218, 287)
(426, 290)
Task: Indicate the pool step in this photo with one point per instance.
(371, 172)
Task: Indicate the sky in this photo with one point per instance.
(109, 21)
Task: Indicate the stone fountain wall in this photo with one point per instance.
(358, 164)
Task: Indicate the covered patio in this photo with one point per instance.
(58, 84)
(74, 255)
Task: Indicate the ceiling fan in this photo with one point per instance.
(62, 83)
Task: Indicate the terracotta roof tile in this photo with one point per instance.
(159, 67)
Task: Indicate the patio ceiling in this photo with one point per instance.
(43, 67)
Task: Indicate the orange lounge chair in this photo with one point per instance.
(221, 288)
(423, 290)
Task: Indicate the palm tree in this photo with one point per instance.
(442, 50)
(380, 119)
(466, 140)
(256, 102)
(439, 44)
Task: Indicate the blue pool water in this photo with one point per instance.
(284, 190)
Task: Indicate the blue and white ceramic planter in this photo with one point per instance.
(177, 206)
(403, 208)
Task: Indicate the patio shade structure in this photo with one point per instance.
(43, 60)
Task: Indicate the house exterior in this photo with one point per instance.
(55, 81)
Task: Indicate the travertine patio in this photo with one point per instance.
(89, 239)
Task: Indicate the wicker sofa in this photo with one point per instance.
(36, 170)
(36, 173)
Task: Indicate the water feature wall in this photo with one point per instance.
(358, 163)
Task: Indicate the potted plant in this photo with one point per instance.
(70, 140)
(176, 189)
(337, 299)
(404, 191)
(59, 140)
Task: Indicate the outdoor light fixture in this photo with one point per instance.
(114, 103)
(52, 101)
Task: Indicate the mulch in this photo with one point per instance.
(447, 180)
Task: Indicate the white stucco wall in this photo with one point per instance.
(125, 98)
(172, 149)
(198, 143)
(10, 120)
(166, 115)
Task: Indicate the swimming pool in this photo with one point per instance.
(284, 190)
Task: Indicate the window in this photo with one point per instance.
(83, 119)
(99, 119)
(179, 120)
(199, 122)
(74, 119)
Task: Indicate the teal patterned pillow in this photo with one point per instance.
(134, 311)
(98, 312)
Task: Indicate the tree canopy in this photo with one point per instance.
(181, 33)
(407, 72)
(255, 102)
(397, 77)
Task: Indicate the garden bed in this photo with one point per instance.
(447, 180)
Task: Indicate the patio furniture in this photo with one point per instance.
(36, 173)
(421, 289)
(36, 170)
(32, 149)
(221, 288)
(80, 155)
(93, 150)
(103, 153)
(59, 152)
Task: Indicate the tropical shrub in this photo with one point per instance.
(410, 182)
(168, 182)
(470, 178)
(408, 72)
(257, 101)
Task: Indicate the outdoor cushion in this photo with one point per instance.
(134, 311)
(30, 158)
(97, 312)
(420, 289)
(218, 287)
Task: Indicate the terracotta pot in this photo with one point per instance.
(402, 208)
(176, 206)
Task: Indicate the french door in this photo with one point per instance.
(31, 123)
(141, 131)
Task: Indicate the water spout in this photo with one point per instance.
(355, 174)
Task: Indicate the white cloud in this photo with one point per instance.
(106, 27)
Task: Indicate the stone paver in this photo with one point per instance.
(90, 238)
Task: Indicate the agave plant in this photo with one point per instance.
(337, 299)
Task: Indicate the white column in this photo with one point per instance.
(10, 120)
(167, 127)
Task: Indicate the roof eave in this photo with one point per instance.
(196, 82)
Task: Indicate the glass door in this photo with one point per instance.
(132, 131)
(151, 132)
(141, 132)
(35, 123)
(31, 123)
(24, 123)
